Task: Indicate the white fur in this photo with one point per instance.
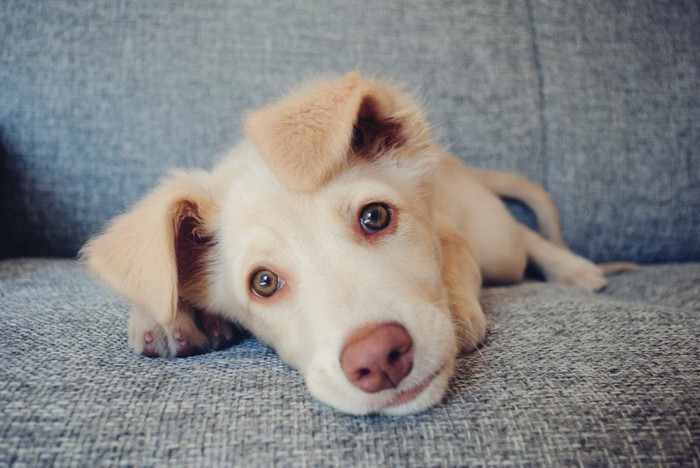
(450, 231)
(334, 284)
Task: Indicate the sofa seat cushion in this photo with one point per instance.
(672, 285)
(565, 377)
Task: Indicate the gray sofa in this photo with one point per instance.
(598, 100)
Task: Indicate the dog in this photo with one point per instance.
(340, 233)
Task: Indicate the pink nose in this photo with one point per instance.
(377, 356)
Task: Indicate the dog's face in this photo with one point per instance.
(311, 272)
(318, 235)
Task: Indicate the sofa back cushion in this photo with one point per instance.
(100, 99)
(621, 110)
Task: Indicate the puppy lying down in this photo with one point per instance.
(341, 234)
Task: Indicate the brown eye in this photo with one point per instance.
(375, 217)
(265, 283)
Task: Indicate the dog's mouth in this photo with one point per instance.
(408, 395)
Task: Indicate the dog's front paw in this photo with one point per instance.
(189, 333)
(580, 272)
(150, 341)
(220, 332)
(471, 328)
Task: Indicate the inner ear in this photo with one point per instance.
(192, 246)
(373, 133)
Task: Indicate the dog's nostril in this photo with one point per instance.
(394, 356)
(362, 373)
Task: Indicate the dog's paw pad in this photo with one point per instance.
(151, 351)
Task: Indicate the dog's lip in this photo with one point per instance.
(405, 396)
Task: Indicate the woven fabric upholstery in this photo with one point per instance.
(566, 377)
(597, 100)
(100, 100)
(621, 106)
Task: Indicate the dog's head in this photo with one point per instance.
(318, 235)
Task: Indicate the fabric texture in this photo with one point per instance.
(595, 99)
(621, 106)
(99, 101)
(565, 377)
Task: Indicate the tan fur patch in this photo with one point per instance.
(136, 254)
(306, 138)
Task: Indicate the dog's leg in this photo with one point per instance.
(190, 332)
(462, 279)
(561, 265)
(146, 336)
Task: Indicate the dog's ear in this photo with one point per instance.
(156, 254)
(310, 135)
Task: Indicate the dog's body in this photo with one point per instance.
(342, 235)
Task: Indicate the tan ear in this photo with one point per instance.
(308, 136)
(155, 253)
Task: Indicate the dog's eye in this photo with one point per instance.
(375, 217)
(265, 283)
